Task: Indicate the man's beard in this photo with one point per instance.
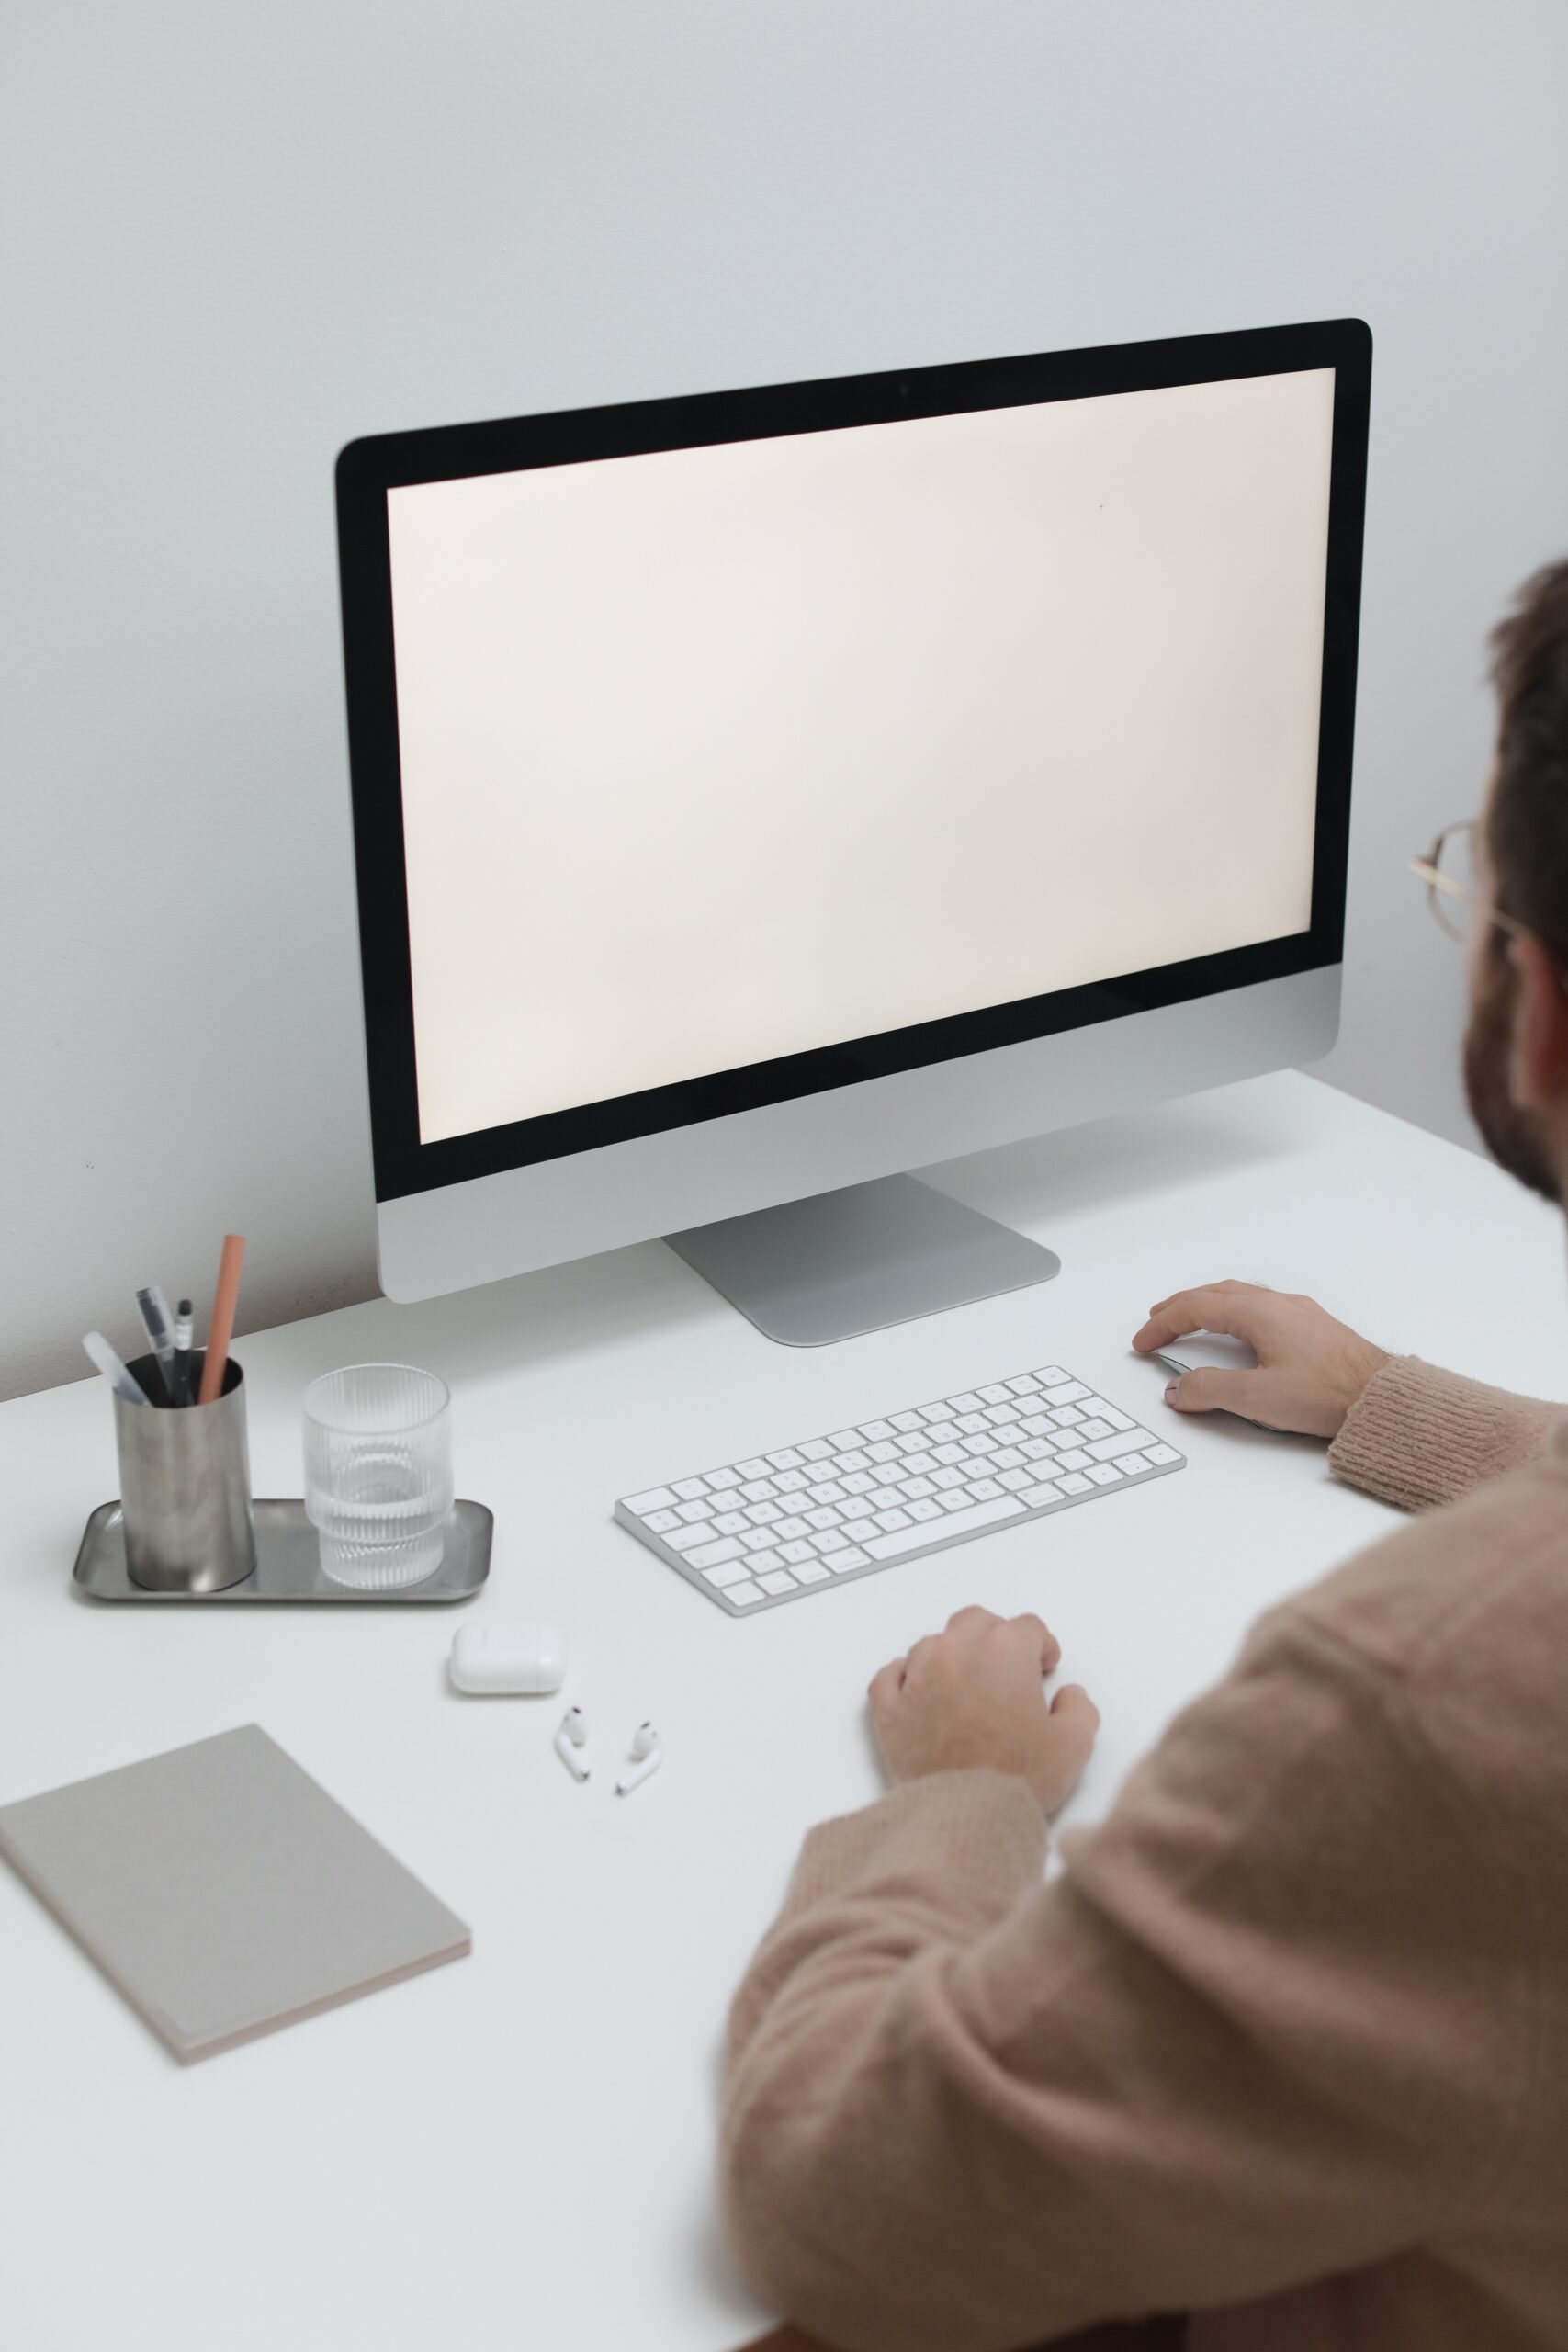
(1508, 1133)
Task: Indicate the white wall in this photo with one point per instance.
(237, 236)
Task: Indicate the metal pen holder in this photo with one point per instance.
(185, 1486)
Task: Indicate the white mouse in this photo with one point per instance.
(1208, 1350)
(520, 1658)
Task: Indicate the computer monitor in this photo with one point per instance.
(761, 793)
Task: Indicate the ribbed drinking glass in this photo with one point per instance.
(378, 1473)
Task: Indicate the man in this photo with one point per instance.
(1285, 2048)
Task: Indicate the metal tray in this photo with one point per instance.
(288, 1566)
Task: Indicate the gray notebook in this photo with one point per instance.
(224, 1892)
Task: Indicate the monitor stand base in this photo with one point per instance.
(842, 1263)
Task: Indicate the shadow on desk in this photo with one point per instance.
(1137, 2335)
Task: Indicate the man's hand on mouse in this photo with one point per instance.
(969, 1700)
(1310, 1369)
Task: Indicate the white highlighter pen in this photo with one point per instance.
(113, 1368)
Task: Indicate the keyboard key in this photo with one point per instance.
(656, 1499)
(755, 1468)
(758, 1490)
(856, 1459)
(947, 1476)
(889, 1520)
(830, 1491)
(1006, 1457)
(825, 1516)
(690, 1489)
(731, 1522)
(1051, 1376)
(741, 1596)
(995, 1394)
(883, 1451)
(915, 1489)
(1073, 1457)
(1036, 1449)
(930, 1414)
(778, 1580)
(844, 1441)
(695, 1514)
(713, 1555)
(925, 1511)
(1109, 1413)
(789, 1531)
(786, 1458)
(919, 1466)
(659, 1521)
(791, 1482)
(909, 1539)
(1093, 1429)
(858, 1530)
(816, 1449)
(976, 1446)
(1072, 1393)
(812, 1571)
(1025, 1384)
(688, 1539)
(984, 1490)
(956, 1500)
(854, 1557)
(1110, 1449)
(830, 1539)
(758, 1563)
(764, 1514)
(859, 1482)
(1132, 1463)
(796, 1550)
(1066, 1417)
(907, 1422)
(968, 1403)
(1073, 1482)
(730, 1572)
(719, 1481)
(822, 1474)
(756, 1539)
(970, 1424)
(876, 1429)
(947, 1455)
(1160, 1454)
(1015, 1481)
(1104, 1474)
(1001, 1417)
(884, 1498)
(1036, 1498)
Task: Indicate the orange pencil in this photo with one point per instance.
(221, 1330)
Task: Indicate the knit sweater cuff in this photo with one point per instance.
(1418, 1437)
(978, 1835)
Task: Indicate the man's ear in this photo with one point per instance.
(1538, 1071)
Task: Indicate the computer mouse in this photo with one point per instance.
(1212, 1350)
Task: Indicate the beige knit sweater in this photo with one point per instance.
(1285, 2047)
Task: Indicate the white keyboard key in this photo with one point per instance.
(1132, 1463)
(1015, 1481)
(887, 1547)
(1073, 1482)
(758, 1490)
(731, 1522)
(822, 1474)
(883, 1451)
(857, 1459)
(1104, 1474)
(720, 1480)
(842, 1562)
(730, 1572)
(907, 1422)
(741, 1596)
(968, 1403)
(1160, 1454)
(656, 1499)
(1051, 1375)
(947, 1477)
(813, 1571)
(790, 1482)
(884, 1498)
(1001, 1416)
(1025, 1384)
(1008, 1458)
(917, 1490)
(1072, 1392)
(1036, 1498)
(695, 1514)
(777, 1580)
(956, 1500)
(880, 1430)
(786, 1458)
(1066, 1417)
(1092, 1429)
(844, 1441)
(713, 1555)
(764, 1514)
(925, 1511)
(687, 1539)
(889, 1520)
(659, 1523)
(858, 1530)
(1110, 1449)
(1034, 1449)
(789, 1531)
(816, 1449)
(830, 1539)
(825, 1516)
(920, 1465)
(995, 1394)
(1109, 1413)
(859, 1482)
(758, 1564)
(830, 1491)
(690, 1489)
(797, 1552)
(756, 1539)
(755, 1468)
(970, 1424)
(947, 1455)
(1073, 1457)
(984, 1490)
(976, 1446)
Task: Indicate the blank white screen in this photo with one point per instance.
(723, 754)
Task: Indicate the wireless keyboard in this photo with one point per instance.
(777, 1526)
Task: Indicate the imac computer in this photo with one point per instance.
(760, 795)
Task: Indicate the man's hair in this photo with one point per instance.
(1527, 832)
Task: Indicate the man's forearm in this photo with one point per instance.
(1418, 1437)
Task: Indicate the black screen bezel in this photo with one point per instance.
(368, 469)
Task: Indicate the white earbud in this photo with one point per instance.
(573, 1735)
(646, 1755)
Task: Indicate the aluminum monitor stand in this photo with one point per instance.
(842, 1263)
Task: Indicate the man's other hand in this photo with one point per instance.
(1310, 1369)
(970, 1700)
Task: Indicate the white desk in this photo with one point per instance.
(516, 2149)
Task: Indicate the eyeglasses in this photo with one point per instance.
(1454, 892)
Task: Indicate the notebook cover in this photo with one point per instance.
(224, 1892)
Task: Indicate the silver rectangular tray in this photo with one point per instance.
(289, 1564)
